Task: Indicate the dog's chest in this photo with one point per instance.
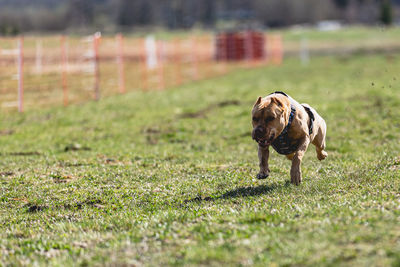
(285, 145)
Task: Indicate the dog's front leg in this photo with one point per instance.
(263, 154)
(295, 171)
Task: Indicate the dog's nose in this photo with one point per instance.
(259, 132)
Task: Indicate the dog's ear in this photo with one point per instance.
(277, 101)
(258, 101)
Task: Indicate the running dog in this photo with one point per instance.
(289, 127)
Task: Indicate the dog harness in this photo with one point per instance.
(283, 144)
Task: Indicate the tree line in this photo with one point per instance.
(127, 15)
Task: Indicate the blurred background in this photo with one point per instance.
(109, 16)
(58, 52)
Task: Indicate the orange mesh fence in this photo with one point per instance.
(61, 70)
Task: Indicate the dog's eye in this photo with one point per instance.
(255, 119)
(268, 119)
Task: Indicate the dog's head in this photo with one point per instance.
(269, 118)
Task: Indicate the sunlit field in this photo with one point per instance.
(168, 177)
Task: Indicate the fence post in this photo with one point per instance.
(39, 57)
(161, 54)
(304, 54)
(96, 40)
(194, 50)
(280, 49)
(222, 41)
(266, 44)
(277, 53)
(120, 60)
(143, 57)
(177, 59)
(21, 74)
(64, 71)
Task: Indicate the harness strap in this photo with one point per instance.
(279, 92)
(283, 144)
(312, 118)
(291, 116)
(292, 112)
(308, 110)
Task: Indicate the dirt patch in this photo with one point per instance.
(6, 132)
(203, 112)
(6, 173)
(395, 165)
(90, 202)
(32, 208)
(75, 147)
(151, 140)
(112, 161)
(27, 153)
(61, 179)
(151, 131)
(154, 134)
(35, 208)
(70, 164)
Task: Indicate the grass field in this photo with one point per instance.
(168, 178)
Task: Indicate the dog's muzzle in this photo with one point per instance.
(259, 136)
(259, 133)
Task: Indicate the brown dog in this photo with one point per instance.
(280, 121)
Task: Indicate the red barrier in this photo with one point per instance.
(236, 46)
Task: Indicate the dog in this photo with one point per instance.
(289, 127)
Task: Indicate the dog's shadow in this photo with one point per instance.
(236, 193)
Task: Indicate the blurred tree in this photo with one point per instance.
(8, 30)
(124, 13)
(208, 13)
(80, 13)
(342, 4)
(145, 16)
(56, 15)
(386, 12)
(134, 12)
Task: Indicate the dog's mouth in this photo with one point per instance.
(266, 142)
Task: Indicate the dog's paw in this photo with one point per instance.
(322, 155)
(296, 178)
(261, 176)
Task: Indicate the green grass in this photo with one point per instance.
(168, 178)
(343, 41)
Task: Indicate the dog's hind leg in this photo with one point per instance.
(319, 141)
